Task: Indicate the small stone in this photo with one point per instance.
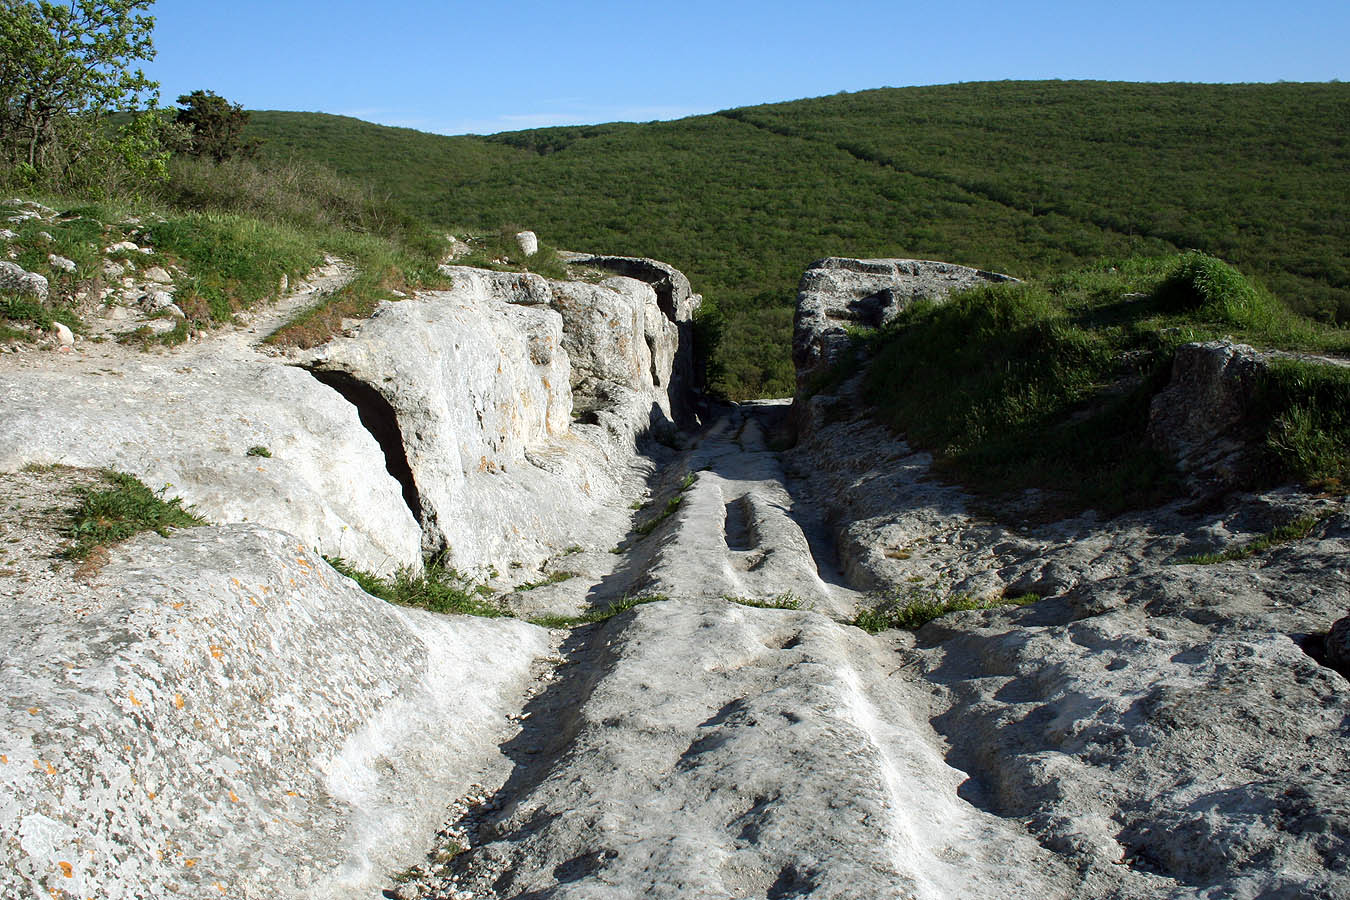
(122, 247)
(46, 236)
(158, 275)
(112, 269)
(64, 337)
(7, 235)
(528, 243)
(159, 299)
(60, 262)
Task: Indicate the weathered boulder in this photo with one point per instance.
(477, 388)
(15, 281)
(677, 300)
(1202, 419)
(528, 243)
(220, 713)
(836, 294)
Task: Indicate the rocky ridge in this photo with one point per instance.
(1150, 727)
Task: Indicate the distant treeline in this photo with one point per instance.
(1020, 177)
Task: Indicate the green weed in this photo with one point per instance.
(911, 608)
(124, 508)
(1295, 530)
(786, 600)
(437, 588)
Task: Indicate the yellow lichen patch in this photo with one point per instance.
(66, 869)
(150, 794)
(178, 701)
(220, 887)
(254, 601)
(235, 582)
(177, 604)
(33, 710)
(51, 769)
(304, 562)
(190, 862)
(4, 759)
(216, 652)
(234, 798)
(131, 695)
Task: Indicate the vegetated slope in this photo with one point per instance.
(1023, 177)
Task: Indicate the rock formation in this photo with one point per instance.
(220, 711)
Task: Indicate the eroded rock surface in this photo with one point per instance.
(1150, 727)
(221, 712)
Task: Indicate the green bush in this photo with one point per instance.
(437, 589)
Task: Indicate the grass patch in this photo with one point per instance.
(258, 450)
(911, 608)
(438, 589)
(28, 311)
(233, 262)
(1047, 384)
(125, 507)
(1296, 530)
(786, 600)
(649, 526)
(623, 604)
(499, 251)
(550, 578)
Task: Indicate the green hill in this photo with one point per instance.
(1022, 177)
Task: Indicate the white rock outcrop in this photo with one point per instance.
(220, 713)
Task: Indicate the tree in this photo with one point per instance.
(216, 126)
(63, 68)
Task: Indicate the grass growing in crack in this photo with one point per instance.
(1296, 530)
(623, 604)
(911, 608)
(125, 507)
(258, 450)
(649, 526)
(672, 504)
(786, 600)
(437, 589)
(550, 578)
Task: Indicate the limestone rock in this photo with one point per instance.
(184, 427)
(717, 751)
(836, 294)
(7, 235)
(1338, 646)
(14, 280)
(64, 337)
(219, 711)
(480, 403)
(61, 263)
(1202, 417)
(158, 275)
(528, 243)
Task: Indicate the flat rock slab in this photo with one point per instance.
(219, 712)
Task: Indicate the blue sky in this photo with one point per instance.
(454, 67)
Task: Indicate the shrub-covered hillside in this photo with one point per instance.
(1022, 177)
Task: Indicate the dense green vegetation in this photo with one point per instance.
(1047, 384)
(1027, 178)
(235, 228)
